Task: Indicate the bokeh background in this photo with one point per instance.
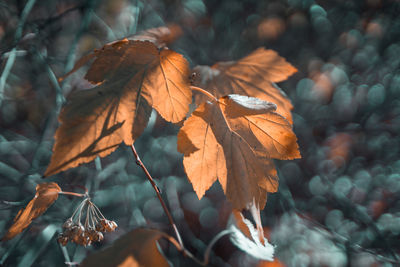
(337, 206)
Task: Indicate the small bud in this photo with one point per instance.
(99, 227)
(114, 225)
(109, 227)
(83, 240)
(68, 224)
(99, 236)
(104, 222)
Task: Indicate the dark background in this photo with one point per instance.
(337, 206)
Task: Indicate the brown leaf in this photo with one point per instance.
(254, 75)
(132, 76)
(136, 248)
(161, 36)
(46, 194)
(235, 139)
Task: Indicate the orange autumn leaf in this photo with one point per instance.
(136, 248)
(254, 75)
(161, 76)
(46, 194)
(160, 36)
(131, 77)
(233, 141)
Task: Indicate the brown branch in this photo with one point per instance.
(157, 190)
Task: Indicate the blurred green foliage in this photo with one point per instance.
(337, 206)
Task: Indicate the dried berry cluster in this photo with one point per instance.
(91, 231)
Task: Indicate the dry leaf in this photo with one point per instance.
(46, 194)
(136, 248)
(233, 140)
(161, 36)
(254, 75)
(132, 77)
(250, 240)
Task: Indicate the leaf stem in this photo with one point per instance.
(72, 194)
(157, 190)
(204, 92)
(211, 244)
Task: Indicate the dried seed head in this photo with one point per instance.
(75, 238)
(82, 240)
(114, 225)
(109, 227)
(99, 236)
(91, 233)
(96, 236)
(93, 229)
(68, 224)
(77, 229)
(104, 222)
(100, 227)
(62, 239)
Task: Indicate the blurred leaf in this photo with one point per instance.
(42, 242)
(275, 263)
(136, 248)
(132, 77)
(233, 141)
(46, 194)
(9, 172)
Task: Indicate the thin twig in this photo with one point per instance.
(110, 34)
(47, 22)
(211, 244)
(12, 54)
(84, 24)
(206, 253)
(157, 190)
(185, 251)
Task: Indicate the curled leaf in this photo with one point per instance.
(254, 75)
(46, 194)
(249, 239)
(233, 141)
(136, 248)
